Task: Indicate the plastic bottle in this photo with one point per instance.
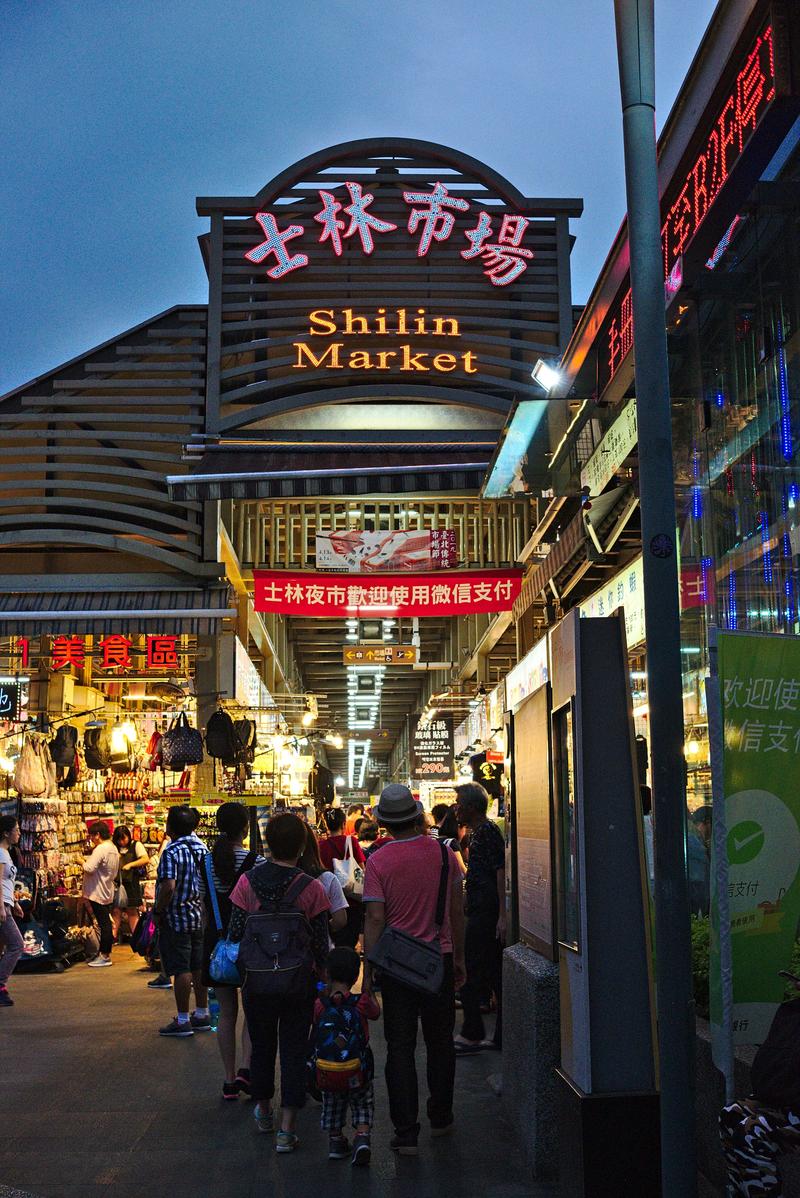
(213, 1009)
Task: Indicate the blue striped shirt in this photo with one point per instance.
(181, 861)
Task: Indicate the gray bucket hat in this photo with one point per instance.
(397, 805)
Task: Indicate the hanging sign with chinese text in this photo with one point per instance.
(614, 447)
(760, 688)
(459, 592)
(114, 653)
(359, 551)
(433, 748)
(625, 590)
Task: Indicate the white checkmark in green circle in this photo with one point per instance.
(745, 842)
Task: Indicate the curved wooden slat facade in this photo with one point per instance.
(85, 450)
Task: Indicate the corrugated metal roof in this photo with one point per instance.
(106, 612)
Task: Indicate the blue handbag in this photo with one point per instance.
(222, 964)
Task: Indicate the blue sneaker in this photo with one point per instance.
(286, 1141)
(263, 1118)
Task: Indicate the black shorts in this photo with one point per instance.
(180, 952)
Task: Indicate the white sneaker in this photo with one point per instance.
(99, 962)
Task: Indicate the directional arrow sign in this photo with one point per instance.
(384, 655)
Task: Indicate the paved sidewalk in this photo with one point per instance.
(96, 1103)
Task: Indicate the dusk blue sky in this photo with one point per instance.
(116, 115)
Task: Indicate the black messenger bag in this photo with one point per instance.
(407, 959)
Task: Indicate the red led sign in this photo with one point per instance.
(751, 94)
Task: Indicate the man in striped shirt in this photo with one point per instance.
(179, 912)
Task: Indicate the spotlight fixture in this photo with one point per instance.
(545, 375)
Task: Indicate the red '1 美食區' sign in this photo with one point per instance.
(450, 593)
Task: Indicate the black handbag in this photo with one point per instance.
(775, 1072)
(407, 959)
(181, 745)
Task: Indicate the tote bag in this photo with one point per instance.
(348, 872)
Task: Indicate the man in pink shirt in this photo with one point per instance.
(400, 891)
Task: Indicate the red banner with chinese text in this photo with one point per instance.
(445, 593)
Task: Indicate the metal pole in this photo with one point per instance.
(635, 47)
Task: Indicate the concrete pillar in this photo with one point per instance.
(532, 1052)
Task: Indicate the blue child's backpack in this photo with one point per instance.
(340, 1047)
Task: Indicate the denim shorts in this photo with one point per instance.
(180, 952)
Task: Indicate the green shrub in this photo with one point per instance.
(700, 951)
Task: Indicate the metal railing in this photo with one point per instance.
(281, 534)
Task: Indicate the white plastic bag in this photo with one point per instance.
(30, 777)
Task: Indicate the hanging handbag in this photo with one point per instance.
(152, 757)
(407, 959)
(30, 776)
(181, 745)
(142, 939)
(64, 744)
(222, 966)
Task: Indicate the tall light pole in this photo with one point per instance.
(636, 51)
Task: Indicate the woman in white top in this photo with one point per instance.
(10, 937)
(311, 862)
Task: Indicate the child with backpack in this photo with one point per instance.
(343, 1057)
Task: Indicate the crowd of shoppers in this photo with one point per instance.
(296, 928)
(296, 932)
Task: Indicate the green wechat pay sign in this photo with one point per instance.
(760, 690)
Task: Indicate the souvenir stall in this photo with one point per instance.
(94, 728)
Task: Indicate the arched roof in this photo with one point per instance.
(405, 150)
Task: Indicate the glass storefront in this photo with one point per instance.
(734, 346)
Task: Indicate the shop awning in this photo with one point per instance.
(103, 612)
(255, 475)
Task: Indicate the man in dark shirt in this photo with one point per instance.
(486, 918)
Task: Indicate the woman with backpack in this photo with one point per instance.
(280, 921)
(225, 864)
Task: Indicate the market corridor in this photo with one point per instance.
(97, 1103)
